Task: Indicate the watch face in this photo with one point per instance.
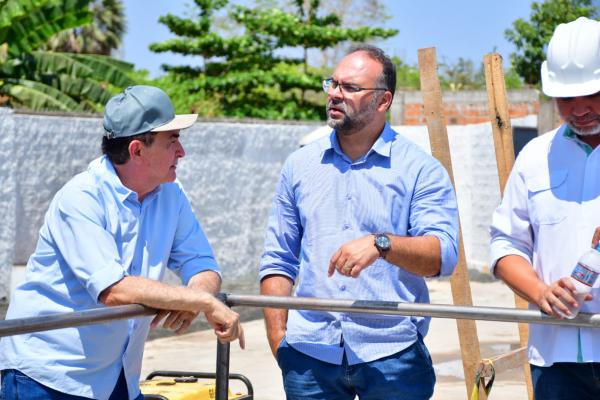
(382, 242)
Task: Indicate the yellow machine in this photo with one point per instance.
(179, 385)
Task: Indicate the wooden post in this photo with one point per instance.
(505, 158)
(440, 149)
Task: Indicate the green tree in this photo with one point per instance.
(407, 76)
(512, 79)
(352, 13)
(531, 37)
(103, 35)
(462, 75)
(248, 73)
(44, 80)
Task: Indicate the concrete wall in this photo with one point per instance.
(8, 209)
(229, 172)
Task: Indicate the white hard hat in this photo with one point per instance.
(572, 66)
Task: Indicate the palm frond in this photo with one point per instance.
(107, 69)
(38, 96)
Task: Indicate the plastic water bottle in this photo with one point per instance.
(584, 276)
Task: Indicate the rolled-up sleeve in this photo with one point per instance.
(434, 212)
(191, 252)
(76, 222)
(284, 232)
(511, 232)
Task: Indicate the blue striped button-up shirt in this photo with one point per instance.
(324, 200)
(95, 233)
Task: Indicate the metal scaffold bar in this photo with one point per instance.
(412, 309)
(99, 315)
(64, 320)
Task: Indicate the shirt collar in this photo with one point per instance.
(572, 136)
(382, 146)
(104, 169)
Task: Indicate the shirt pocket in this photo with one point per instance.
(547, 197)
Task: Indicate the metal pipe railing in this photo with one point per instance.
(64, 320)
(413, 309)
(97, 315)
(11, 327)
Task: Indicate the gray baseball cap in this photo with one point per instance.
(141, 109)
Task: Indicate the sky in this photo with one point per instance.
(457, 28)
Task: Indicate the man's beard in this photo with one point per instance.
(591, 131)
(351, 122)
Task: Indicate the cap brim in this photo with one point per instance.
(181, 121)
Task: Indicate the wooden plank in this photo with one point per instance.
(440, 149)
(505, 158)
(504, 362)
(499, 117)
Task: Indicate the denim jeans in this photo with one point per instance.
(406, 375)
(566, 381)
(16, 385)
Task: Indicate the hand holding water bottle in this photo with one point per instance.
(568, 294)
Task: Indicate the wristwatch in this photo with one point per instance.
(383, 244)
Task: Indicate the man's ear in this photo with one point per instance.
(135, 149)
(385, 102)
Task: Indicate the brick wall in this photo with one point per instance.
(460, 108)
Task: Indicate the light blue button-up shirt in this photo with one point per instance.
(95, 233)
(324, 200)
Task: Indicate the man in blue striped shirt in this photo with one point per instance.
(360, 214)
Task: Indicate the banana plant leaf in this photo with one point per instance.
(32, 30)
(106, 69)
(38, 96)
(49, 62)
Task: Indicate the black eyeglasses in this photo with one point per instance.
(345, 87)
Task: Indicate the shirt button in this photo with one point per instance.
(346, 227)
(348, 197)
(343, 287)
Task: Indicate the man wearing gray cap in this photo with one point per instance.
(549, 214)
(107, 238)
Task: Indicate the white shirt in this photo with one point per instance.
(550, 209)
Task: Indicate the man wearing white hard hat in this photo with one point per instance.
(550, 213)
(107, 239)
